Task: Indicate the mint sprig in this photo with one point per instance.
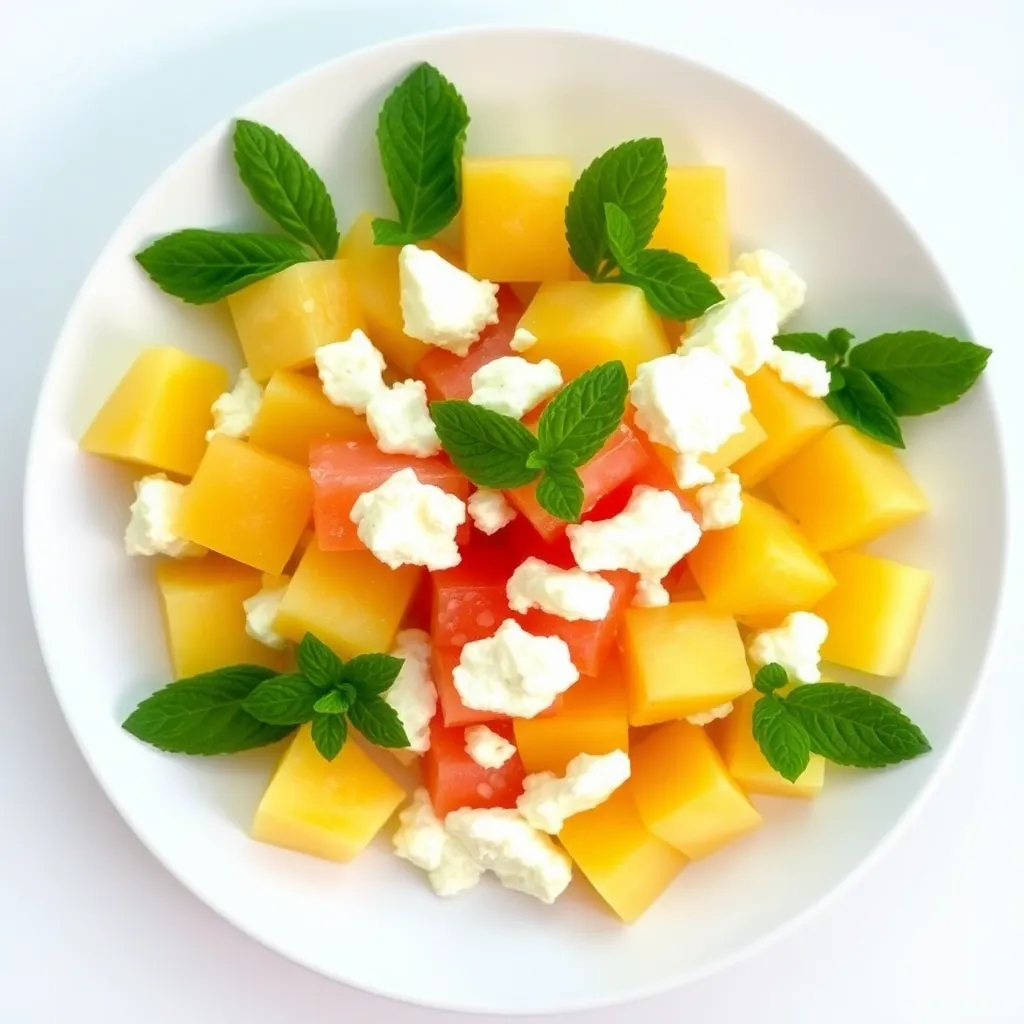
(621, 236)
(782, 739)
(856, 399)
(674, 286)
(829, 348)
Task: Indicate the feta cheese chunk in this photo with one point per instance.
(490, 510)
(442, 305)
(721, 502)
(422, 840)
(786, 287)
(351, 371)
(707, 717)
(412, 694)
(548, 800)
(399, 419)
(570, 593)
(804, 371)
(795, 645)
(522, 339)
(405, 522)
(741, 330)
(514, 672)
(521, 857)
(690, 472)
(235, 411)
(151, 527)
(260, 613)
(512, 385)
(650, 594)
(487, 748)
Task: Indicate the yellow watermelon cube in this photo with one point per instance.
(693, 220)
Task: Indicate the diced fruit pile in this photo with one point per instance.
(490, 507)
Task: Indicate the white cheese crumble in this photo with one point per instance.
(650, 594)
(405, 522)
(260, 613)
(351, 372)
(151, 527)
(512, 385)
(721, 502)
(521, 857)
(235, 411)
(490, 510)
(786, 287)
(442, 305)
(802, 370)
(514, 672)
(399, 419)
(589, 780)
(522, 339)
(712, 715)
(412, 694)
(795, 645)
(741, 330)
(487, 748)
(572, 594)
(690, 472)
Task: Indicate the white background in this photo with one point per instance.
(98, 96)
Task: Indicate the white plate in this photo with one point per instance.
(374, 924)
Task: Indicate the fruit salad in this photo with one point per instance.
(552, 502)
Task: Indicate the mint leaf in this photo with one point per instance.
(674, 287)
(862, 405)
(826, 349)
(318, 663)
(202, 266)
(283, 700)
(335, 702)
(371, 674)
(421, 133)
(204, 714)
(632, 176)
(854, 727)
(782, 738)
(837, 381)
(560, 492)
(919, 371)
(285, 187)
(581, 417)
(770, 677)
(329, 733)
(378, 722)
(491, 449)
(839, 338)
(621, 236)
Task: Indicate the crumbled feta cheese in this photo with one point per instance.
(412, 694)
(398, 417)
(712, 715)
(235, 411)
(733, 284)
(787, 288)
(490, 510)
(260, 613)
(351, 371)
(151, 527)
(522, 339)
(721, 502)
(512, 385)
(741, 330)
(650, 594)
(521, 857)
(422, 840)
(795, 645)
(804, 371)
(589, 780)
(570, 593)
(514, 672)
(487, 748)
(690, 472)
(442, 305)
(405, 522)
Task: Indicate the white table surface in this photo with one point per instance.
(96, 98)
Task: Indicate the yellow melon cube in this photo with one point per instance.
(693, 220)
(844, 489)
(763, 566)
(328, 809)
(790, 420)
(348, 599)
(592, 719)
(734, 737)
(874, 613)
(282, 320)
(513, 217)
(681, 659)
(246, 504)
(295, 413)
(158, 415)
(628, 865)
(579, 324)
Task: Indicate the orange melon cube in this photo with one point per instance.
(246, 504)
(158, 415)
(282, 320)
(684, 794)
(328, 809)
(693, 220)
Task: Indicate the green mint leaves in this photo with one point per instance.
(830, 348)
(674, 287)
(421, 133)
(844, 724)
(856, 399)
(246, 706)
(499, 452)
